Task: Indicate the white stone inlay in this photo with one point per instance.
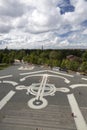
(4, 101)
(79, 119)
(11, 82)
(37, 104)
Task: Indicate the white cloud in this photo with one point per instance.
(11, 8)
(31, 23)
(79, 14)
(85, 32)
(64, 43)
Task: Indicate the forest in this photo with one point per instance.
(75, 60)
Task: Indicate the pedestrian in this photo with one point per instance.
(73, 115)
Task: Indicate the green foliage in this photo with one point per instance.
(1, 57)
(84, 66)
(46, 57)
(84, 56)
(64, 63)
(55, 55)
(73, 65)
(20, 54)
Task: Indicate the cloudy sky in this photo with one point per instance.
(54, 24)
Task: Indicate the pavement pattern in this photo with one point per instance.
(42, 99)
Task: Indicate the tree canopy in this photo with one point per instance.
(47, 57)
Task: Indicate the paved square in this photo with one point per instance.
(42, 98)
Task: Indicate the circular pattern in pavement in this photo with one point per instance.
(37, 104)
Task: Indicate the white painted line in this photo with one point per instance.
(79, 119)
(26, 68)
(35, 72)
(42, 86)
(7, 76)
(21, 87)
(11, 82)
(39, 90)
(34, 106)
(4, 101)
(0, 81)
(66, 80)
(65, 90)
(60, 73)
(84, 78)
(78, 85)
(30, 76)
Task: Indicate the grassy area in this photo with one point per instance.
(3, 66)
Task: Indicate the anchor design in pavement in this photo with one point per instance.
(40, 90)
(43, 89)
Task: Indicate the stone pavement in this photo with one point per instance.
(52, 117)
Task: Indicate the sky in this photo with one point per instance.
(53, 24)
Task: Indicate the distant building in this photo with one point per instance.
(73, 58)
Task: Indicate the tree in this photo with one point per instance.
(84, 66)
(1, 57)
(53, 55)
(20, 54)
(71, 65)
(84, 56)
(5, 59)
(65, 63)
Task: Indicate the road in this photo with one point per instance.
(42, 98)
